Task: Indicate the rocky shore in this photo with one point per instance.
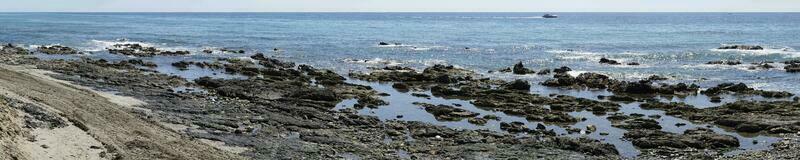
(282, 110)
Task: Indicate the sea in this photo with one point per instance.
(673, 45)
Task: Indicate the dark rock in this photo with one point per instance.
(521, 85)
(716, 99)
(514, 127)
(792, 68)
(402, 87)
(742, 47)
(639, 123)
(543, 72)
(732, 63)
(521, 70)
(447, 113)
(420, 95)
(741, 88)
(57, 49)
(477, 121)
(699, 138)
(608, 61)
(563, 69)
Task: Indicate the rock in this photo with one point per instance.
(270, 62)
(634, 64)
(741, 88)
(420, 95)
(135, 49)
(540, 126)
(680, 124)
(751, 127)
(656, 78)
(383, 44)
(366, 101)
(402, 87)
(514, 127)
(762, 65)
(543, 71)
(732, 63)
(699, 138)
(57, 49)
(521, 70)
(591, 128)
(563, 69)
(639, 123)
(742, 47)
(182, 65)
(716, 99)
(447, 113)
(492, 117)
(477, 121)
(792, 68)
(608, 61)
(520, 85)
(621, 98)
(11, 49)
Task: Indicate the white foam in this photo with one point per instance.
(432, 62)
(374, 61)
(789, 52)
(101, 45)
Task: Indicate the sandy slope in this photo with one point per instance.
(102, 116)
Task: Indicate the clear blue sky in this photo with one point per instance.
(400, 5)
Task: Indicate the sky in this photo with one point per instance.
(399, 5)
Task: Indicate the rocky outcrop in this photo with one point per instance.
(698, 138)
(57, 49)
(135, 49)
(521, 70)
(11, 49)
(742, 47)
(600, 81)
(741, 88)
(725, 62)
(446, 112)
(609, 61)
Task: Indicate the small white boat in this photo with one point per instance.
(550, 16)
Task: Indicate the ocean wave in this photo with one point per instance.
(576, 55)
(742, 67)
(101, 45)
(788, 51)
(374, 61)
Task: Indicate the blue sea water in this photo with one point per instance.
(676, 45)
(672, 44)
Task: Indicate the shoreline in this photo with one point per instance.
(291, 106)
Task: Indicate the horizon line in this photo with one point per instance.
(396, 12)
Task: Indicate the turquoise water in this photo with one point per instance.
(672, 44)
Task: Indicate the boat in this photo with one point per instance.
(550, 16)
